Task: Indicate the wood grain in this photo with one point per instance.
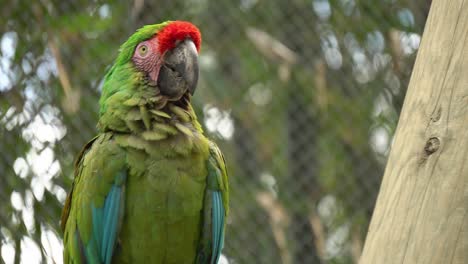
(421, 211)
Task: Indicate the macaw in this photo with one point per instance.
(150, 187)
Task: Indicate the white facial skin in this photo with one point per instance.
(147, 58)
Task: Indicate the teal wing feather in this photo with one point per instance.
(93, 212)
(218, 216)
(106, 220)
(216, 207)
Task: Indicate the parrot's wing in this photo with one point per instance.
(94, 208)
(215, 209)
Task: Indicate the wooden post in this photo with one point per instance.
(421, 214)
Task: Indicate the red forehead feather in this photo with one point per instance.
(178, 30)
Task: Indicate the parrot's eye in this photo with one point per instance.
(143, 50)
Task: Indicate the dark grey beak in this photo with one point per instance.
(179, 71)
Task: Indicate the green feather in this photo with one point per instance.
(166, 128)
(153, 135)
(160, 113)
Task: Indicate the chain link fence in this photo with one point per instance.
(302, 96)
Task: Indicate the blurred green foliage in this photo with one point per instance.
(302, 96)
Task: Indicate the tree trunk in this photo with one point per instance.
(421, 211)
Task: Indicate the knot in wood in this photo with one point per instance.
(432, 145)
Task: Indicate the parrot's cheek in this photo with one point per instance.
(154, 75)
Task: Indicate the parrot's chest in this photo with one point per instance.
(170, 187)
(163, 203)
(169, 180)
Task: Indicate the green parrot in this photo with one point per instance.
(150, 187)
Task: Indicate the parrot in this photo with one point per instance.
(150, 187)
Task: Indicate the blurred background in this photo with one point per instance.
(302, 96)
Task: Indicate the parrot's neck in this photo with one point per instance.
(150, 116)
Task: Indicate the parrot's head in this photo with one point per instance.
(166, 55)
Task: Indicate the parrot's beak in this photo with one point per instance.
(179, 71)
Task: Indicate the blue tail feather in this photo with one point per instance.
(218, 226)
(105, 222)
